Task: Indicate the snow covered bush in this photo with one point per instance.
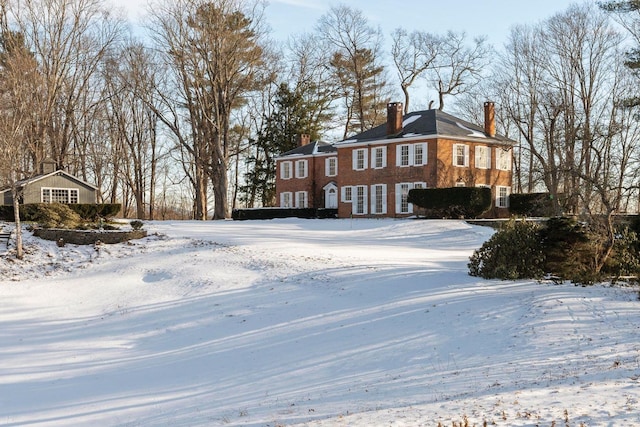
(514, 252)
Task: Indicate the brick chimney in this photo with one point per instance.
(394, 118)
(303, 139)
(490, 119)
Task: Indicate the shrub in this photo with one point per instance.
(625, 259)
(454, 202)
(514, 252)
(52, 215)
(531, 204)
(568, 249)
(95, 211)
(136, 224)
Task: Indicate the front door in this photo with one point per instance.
(331, 196)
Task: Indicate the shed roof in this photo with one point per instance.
(36, 178)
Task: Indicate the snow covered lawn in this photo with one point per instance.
(306, 322)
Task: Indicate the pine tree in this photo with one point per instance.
(294, 113)
(628, 14)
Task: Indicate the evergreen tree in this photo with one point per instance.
(628, 15)
(294, 113)
(362, 82)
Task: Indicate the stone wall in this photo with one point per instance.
(88, 237)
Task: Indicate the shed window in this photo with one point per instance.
(59, 195)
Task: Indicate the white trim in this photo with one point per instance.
(363, 190)
(503, 156)
(288, 163)
(505, 202)
(374, 151)
(478, 150)
(355, 160)
(305, 169)
(343, 194)
(283, 202)
(327, 166)
(28, 181)
(465, 154)
(374, 199)
(417, 137)
(401, 196)
(425, 158)
(68, 196)
(305, 199)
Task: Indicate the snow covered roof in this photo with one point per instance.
(317, 147)
(428, 123)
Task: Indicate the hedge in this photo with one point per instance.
(453, 202)
(272, 213)
(88, 212)
(531, 204)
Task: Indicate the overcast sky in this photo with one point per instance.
(491, 18)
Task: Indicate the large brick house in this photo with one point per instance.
(370, 174)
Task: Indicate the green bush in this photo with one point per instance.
(513, 252)
(625, 259)
(95, 211)
(531, 204)
(568, 249)
(136, 224)
(52, 215)
(453, 202)
(562, 248)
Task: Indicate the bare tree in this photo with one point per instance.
(130, 80)
(214, 51)
(564, 86)
(459, 67)
(413, 54)
(69, 39)
(19, 79)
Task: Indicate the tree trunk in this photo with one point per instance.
(16, 213)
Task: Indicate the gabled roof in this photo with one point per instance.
(428, 123)
(36, 178)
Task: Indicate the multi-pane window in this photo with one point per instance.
(379, 199)
(302, 168)
(502, 197)
(360, 200)
(404, 155)
(331, 166)
(286, 200)
(403, 194)
(60, 195)
(285, 170)
(460, 155)
(301, 199)
(503, 159)
(360, 159)
(379, 157)
(418, 154)
(347, 194)
(483, 157)
(411, 154)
